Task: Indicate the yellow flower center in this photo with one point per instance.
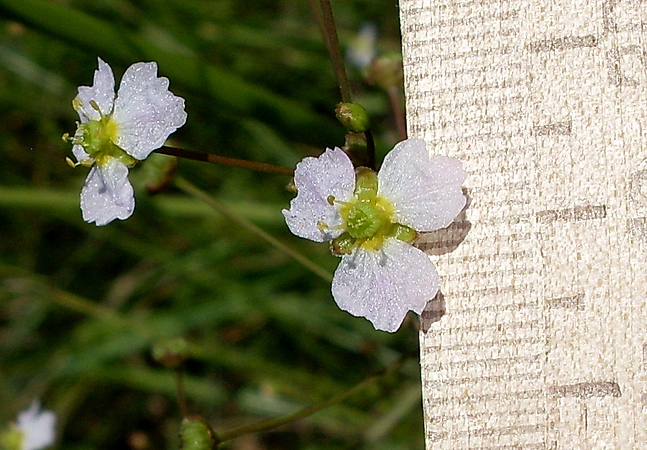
(367, 218)
(98, 137)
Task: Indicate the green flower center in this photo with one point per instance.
(98, 137)
(364, 219)
(367, 218)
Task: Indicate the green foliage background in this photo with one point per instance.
(80, 306)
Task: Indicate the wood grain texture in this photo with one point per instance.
(538, 338)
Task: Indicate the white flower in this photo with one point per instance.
(370, 220)
(36, 427)
(362, 51)
(118, 130)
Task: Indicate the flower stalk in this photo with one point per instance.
(190, 189)
(265, 425)
(181, 396)
(326, 20)
(225, 161)
(396, 106)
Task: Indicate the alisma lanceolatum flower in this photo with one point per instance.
(370, 220)
(34, 430)
(116, 131)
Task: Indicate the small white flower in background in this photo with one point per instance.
(362, 49)
(118, 130)
(370, 220)
(37, 427)
(34, 430)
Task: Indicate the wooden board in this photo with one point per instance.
(540, 341)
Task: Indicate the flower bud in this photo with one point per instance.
(171, 353)
(386, 72)
(196, 434)
(353, 117)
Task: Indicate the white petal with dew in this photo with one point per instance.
(146, 111)
(107, 194)
(425, 191)
(383, 285)
(331, 174)
(37, 427)
(102, 92)
(79, 153)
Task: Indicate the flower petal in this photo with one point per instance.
(425, 191)
(331, 174)
(107, 194)
(383, 285)
(102, 92)
(37, 427)
(79, 153)
(146, 111)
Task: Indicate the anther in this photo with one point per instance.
(95, 106)
(71, 163)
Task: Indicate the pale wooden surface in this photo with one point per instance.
(543, 341)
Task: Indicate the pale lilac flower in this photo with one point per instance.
(117, 130)
(362, 49)
(37, 427)
(370, 220)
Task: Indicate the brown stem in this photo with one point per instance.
(225, 161)
(370, 150)
(398, 112)
(326, 21)
(181, 397)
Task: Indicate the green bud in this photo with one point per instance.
(171, 353)
(386, 72)
(353, 117)
(196, 434)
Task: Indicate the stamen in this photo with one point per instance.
(95, 106)
(331, 200)
(77, 104)
(71, 163)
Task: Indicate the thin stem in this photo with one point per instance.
(222, 209)
(181, 396)
(370, 150)
(59, 296)
(398, 112)
(225, 161)
(269, 424)
(329, 30)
